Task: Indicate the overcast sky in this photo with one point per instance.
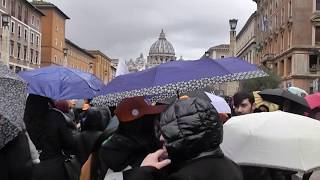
(125, 28)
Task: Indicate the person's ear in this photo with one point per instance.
(253, 106)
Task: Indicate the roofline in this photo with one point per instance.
(99, 52)
(34, 8)
(79, 48)
(50, 6)
(253, 15)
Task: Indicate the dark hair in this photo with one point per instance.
(240, 96)
(92, 121)
(264, 107)
(36, 110)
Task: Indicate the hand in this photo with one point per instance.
(153, 160)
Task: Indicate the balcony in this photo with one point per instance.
(314, 69)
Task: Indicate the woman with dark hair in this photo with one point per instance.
(48, 130)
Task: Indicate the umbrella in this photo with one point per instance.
(218, 102)
(259, 102)
(183, 76)
(13, 97)
(273, 139)
(278, 96)
(59, 83)
(313, 100)
(297, 91)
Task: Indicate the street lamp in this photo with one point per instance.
(5, 38)
(207, 54)
(91, 67)
(233, 24)
(5, 20)
(65, 54)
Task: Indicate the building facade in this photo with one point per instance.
(160, 52)
(102, 66)
(23, 37)
(219, 52)
(78, 58)
(246, 41)
(53, 33)
(288, 40)
(139, 64)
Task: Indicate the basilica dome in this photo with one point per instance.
(162, 46)
(160, 51)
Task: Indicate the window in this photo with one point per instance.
(57, 29)
(317, 35)
(12, 27)
(56, 42)
(37, 57)
(37, 22)
(32, 19)
(26, 16)
(313, 63)
(31, 38)
(222, 57)
(20, 12)
(289, 38)
(11, 48)
(25, 34)
(290, 8)
(317, 5)
(13, 7)
(19, 49)
(4, 3)
(19, 31)
(55, 59)
(25, 53)
(37, 40)
(31, 55)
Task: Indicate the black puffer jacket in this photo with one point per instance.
(191, 127)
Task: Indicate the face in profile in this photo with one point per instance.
(245, 107)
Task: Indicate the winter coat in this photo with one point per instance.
(129, 145)
(15, 159)
(55, 140)
(193, 132)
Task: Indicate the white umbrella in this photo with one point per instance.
(219, 103)
(273, 139)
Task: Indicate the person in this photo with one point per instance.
(243, 103)
(48, 130)
(132, 141)
(92, 127)
(64, 107)
(263, 108)
(192, 133)
(15, 158)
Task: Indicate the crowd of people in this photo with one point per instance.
(135, 140)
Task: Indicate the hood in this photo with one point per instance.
(190, 127)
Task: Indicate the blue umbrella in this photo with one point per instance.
(183, 76)
(59, 82)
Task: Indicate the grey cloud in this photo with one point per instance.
(125, 28)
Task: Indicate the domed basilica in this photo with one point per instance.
(160, 52)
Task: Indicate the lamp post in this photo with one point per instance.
(91, 67)
(207, 54)
(233, 26)
(65, 54)
(5, 39)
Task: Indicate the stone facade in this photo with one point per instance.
(288, 37)
(24, 36)
(102, 66)
(246, 41)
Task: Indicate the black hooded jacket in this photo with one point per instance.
(193, 132)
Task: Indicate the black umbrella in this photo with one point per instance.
(278, 96)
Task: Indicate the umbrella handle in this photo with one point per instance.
(178, 94)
